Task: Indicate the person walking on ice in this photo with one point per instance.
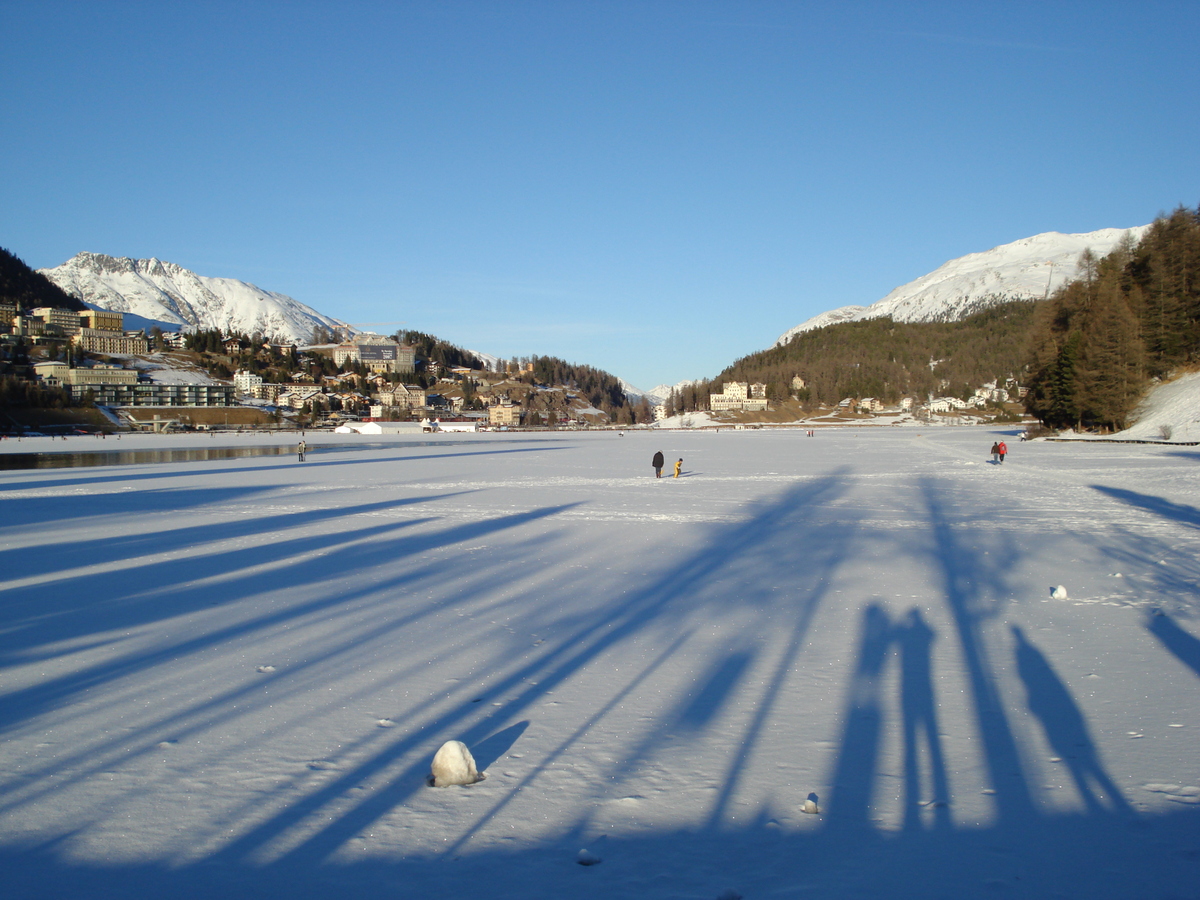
(1002, 449)
(657, 462)
(300, 448)
(995, 452)
(678, 466)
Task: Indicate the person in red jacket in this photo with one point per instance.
(1003, 449)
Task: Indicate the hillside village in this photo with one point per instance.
(165, 380)
(88, 358)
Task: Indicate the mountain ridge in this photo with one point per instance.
(167, 292)
(1026, 269)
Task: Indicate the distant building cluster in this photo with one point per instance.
(377, 354)
(103, 332)
(371, 389)
(739, 395)
(92, 331)
(933, 405)
(117, 386)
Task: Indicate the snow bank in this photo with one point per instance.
(1173, 407)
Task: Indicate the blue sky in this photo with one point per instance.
(653, 188)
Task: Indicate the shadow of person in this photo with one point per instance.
(1183, 645)
(858, 759)
(1065, 727)
(920, 723)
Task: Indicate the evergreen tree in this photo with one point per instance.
(26, 289)
(1111, 365)
(1131, 315)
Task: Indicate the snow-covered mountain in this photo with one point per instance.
(635, 393)
(661, 393)
(166, 292)
(486, 358)
(1027, 269)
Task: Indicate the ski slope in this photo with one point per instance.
(229, 677)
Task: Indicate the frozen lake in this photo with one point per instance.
(229, 676)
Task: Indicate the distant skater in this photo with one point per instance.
(657, 462)
(996, 452)
(1003, 450)
(300, 448)
(678, 466)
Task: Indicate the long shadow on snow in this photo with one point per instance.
(1083, 857)
(28, 561)
(723, 559)
(1152, 565)
(50, 611)
(708, 588)
(972, 584)
(1178, 512)
(1065, 727)
(252, 697)
(921, 728)
(858, 763)
(168, 598)
(1185, 647)
(22, 512)
(1026, 852)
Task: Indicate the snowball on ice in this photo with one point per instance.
(454, 764)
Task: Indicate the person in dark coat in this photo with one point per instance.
(657, 462)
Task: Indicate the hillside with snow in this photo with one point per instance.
(166, 292)
(1028, 269)
(1169, 412)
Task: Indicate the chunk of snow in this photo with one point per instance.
(454, 764)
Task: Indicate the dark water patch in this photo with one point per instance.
(68, 460)
(132, 457)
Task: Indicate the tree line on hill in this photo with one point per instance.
(434, 350)
(599, 387)
(889, 360)
(1087, 354)
(1132, 316)
(25, 288)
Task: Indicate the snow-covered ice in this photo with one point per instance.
(229, 677)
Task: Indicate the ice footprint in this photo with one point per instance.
(1178, 793)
